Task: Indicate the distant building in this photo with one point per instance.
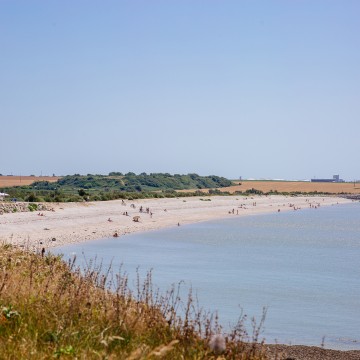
(335, 179)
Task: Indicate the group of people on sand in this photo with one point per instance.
(141, 210)
(147, 211)
(242, 206)
(314, 206)
(125, 213)
(233, 212)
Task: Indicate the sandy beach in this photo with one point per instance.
(78, 222)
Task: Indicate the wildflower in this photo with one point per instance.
(217, 344)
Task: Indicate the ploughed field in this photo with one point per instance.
(7, 181)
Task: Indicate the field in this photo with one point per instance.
(7, 181)
(263, 185)
(290, 186)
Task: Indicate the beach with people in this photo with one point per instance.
(66, 223)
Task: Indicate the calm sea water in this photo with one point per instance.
(304, 266)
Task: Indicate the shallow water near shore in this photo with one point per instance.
(302, 265)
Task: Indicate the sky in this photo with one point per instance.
(257, 89)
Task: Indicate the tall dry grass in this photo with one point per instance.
(52, 309)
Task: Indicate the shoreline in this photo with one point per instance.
(79, 222)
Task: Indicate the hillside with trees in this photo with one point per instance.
(114, 186)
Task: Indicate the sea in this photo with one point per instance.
(302, 266)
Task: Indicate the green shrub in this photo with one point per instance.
(82, 192)
(33, 207)
(32, 198)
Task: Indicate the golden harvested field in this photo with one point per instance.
(289, 186)
(7, 181)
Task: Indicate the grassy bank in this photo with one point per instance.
(50, 309)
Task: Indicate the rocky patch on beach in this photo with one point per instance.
(301, 352)
(13, 207)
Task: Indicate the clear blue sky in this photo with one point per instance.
(259, 89)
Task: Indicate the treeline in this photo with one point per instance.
(116, 186)
(129, 186)
(143, 181)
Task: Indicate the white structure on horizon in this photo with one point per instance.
(335, 179)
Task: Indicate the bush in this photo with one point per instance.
(33, 207)
(32, 198)
(82, 192)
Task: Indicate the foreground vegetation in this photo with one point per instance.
(50, 309)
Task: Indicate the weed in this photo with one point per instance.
(8, 313)
(33, 207)
(53, 309)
